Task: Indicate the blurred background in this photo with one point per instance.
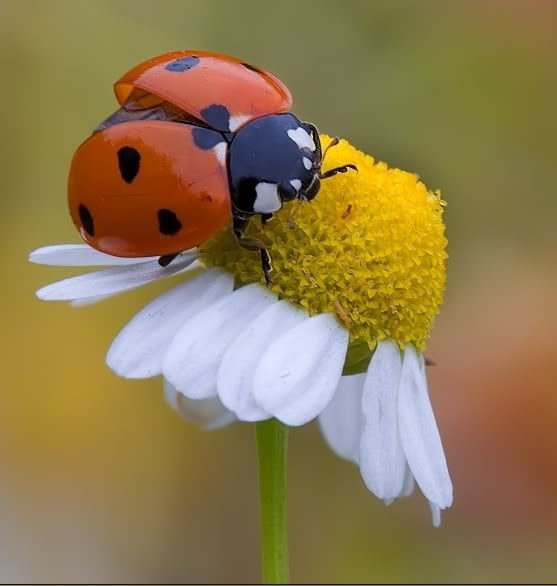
(100, 481)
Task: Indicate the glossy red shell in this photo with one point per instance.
(171, 174)
(213, 79)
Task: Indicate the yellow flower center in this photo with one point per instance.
(370, 248)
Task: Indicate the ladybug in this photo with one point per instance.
(200, 139)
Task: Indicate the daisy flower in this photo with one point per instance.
(338, 335)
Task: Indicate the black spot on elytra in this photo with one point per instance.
(128, 162)
(217, 116)
(169, 224)
(183, 64)
(86, 219)
(251, 67)
(205, 139)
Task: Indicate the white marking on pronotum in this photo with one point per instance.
(296, 184)
(267, 199)
(307, 163)
(236, 121)
(220, 152)
(301, 138)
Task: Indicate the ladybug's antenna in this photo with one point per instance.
(333, 143)
(335, 170)
(341, 169)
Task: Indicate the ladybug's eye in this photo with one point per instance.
(287, 191)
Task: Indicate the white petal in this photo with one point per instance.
(341, 420)
(235, 375)
(435, 514)
(419, 433)
(207, 413)
(114, 280)
(138, 350)
(298, 374)
(382, 461)
(79, 255)
(89, 301)
(409, 483)
(192, 360)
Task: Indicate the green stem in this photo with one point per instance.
(272, 445)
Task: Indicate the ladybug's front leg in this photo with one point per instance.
(239, 225)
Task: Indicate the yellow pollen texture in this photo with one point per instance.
(370, 248)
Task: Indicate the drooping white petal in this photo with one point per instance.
(207, 413)
(409, 483)
(382, 461)
(138, 350)
(88, 301)
(114, 280)
(79, 255)
(192, 360)
(419, 434)
(341, 420)
(236, 371)
(298, 374)
(435, 514)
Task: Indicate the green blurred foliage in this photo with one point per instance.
(103, 482)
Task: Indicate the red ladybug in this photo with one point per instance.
(200, 138)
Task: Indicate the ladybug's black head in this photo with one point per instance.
(275, 159)
(310, 185)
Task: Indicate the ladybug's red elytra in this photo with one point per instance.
(200, 138)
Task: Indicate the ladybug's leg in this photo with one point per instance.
(266, 218)
(239, 226)
(166, 259)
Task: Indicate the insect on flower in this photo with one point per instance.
(203, 141)
(199, 137)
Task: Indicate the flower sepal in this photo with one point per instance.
(357, 358)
